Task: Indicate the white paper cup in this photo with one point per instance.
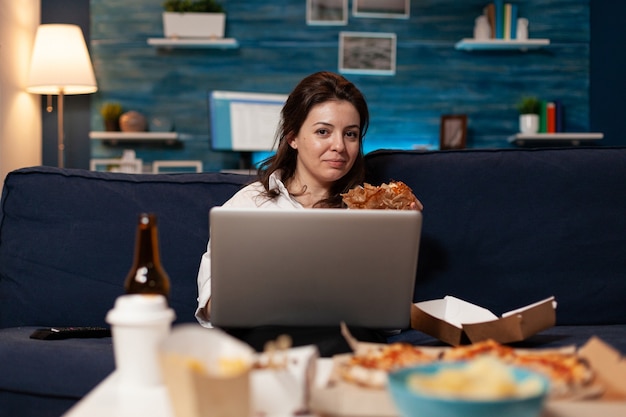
(139, 323)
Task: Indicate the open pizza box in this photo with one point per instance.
(332, 396)
(455, 321)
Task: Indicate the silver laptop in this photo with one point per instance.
(313, 267)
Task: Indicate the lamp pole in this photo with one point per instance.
(61, 130)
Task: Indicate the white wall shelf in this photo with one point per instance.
(469, 44)
(575, 139)
(116, 137)
(222, 43)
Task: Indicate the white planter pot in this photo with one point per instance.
(193, 25)
(529, 123)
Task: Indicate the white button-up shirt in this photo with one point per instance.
(251, 196)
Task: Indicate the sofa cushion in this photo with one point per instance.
(60, 368)
(504, 228)
(67, 239)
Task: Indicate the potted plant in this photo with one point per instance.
(193, 19)
(111, 113)
(529, 110)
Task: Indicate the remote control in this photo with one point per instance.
(59, 333)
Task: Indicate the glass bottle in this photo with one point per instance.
(147, 275)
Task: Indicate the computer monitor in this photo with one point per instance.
(244, 122)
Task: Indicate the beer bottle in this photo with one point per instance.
(147, 276)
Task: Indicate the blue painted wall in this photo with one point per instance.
(277, 49)
(77, 108)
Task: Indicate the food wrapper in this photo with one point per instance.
(206, 372)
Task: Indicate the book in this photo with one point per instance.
(543, 120)
(558, 116)
(550, 117)
(499, 18)
(490, 12)
(507, 22)
(514, 16)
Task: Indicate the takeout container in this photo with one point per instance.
(455, 321)
(281, 381)
(336, 397)
(206, 372)
(209, 373)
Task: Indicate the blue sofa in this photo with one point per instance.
(502, 228)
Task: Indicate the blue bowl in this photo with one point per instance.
(411, 403)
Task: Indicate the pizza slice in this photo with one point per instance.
(395, 195)
(487, 347)
(568, 373)
(369, 368)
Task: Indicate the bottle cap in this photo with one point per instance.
(138, 309)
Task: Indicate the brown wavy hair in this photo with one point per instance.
(315, 89)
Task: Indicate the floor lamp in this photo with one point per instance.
(60, 65)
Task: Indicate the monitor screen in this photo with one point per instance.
(244, 122)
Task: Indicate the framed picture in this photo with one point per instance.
(327, 12)
(453, 131)
(367, 53)
(383, 9)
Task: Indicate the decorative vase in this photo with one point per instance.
(194, 25)
(133, 121)
(529, 123)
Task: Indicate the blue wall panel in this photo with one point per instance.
(277, 49)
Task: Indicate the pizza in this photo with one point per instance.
(395, 195)
(369, 367)
(487, 347)
(567, 372)
(569, 375)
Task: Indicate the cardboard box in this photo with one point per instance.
(209, 373)
(192, 359)
(455, 321)
(610, 370)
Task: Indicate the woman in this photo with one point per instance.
(319, 156)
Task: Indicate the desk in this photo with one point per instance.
(108, 399)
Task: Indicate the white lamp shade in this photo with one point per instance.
(60, 61)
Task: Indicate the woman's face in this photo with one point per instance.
(328, 143)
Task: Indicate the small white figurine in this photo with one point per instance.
(482, 31)
(522, 29)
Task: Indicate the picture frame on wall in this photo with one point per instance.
(371, 53)
(382, 9)
(453, 131)
(327, 12)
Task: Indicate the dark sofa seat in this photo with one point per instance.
(44, 378)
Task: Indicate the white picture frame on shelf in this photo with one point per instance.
(327, 12)
(370, 53)
(382, 9)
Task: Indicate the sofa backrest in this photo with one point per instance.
(504, 228)
(67, 239)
